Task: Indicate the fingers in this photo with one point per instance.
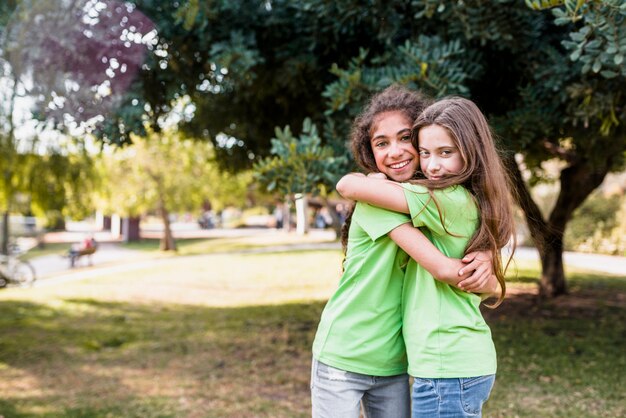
(484, 256)
(476, 264)
(469, 257)
(471, 266)
(488, 285)
(476, 281)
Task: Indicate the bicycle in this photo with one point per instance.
(14, 271)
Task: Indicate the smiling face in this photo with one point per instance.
(393, 152)
(439, 155)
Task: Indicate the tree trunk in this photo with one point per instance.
(577, 180)
(552, 281)
(167, 240)
(302, 214)
(5, 232)
(8, 170)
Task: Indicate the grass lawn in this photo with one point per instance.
(230, 336)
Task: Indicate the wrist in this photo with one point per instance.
(448, 271)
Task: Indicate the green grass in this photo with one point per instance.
(116, 359)
(230, 336)
(562, 357)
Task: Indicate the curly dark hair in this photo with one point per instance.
(395, 98)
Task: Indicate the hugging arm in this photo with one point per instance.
(473, 273)
(376, 191)
(443, 268)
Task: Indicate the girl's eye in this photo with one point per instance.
(406, 138)
(423, 153)
(380, 144)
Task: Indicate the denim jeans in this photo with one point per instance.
(450, 398)
(337, 393)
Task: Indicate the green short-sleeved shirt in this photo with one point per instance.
(444, 330)
(361, 327)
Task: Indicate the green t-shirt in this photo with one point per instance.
(444, 330)
(361, 327)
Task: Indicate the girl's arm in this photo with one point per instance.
(443, 268)
(379, 192)
(475, 276)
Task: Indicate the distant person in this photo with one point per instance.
(278, 216)
(462, 201)
(87, 247)
(206, 219)
(359, 354)
(341, 212)
(322, 218)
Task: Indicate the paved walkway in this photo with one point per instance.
(108, 254)
(111, 257)
(596, 262)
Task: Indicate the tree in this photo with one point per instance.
(246, 66)
(516, 65)
(576, 106)
(61, 67)
(11, 160)
(597, 35)
(302, 166)
(168, 173)
(59, 184)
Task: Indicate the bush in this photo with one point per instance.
(598, 225)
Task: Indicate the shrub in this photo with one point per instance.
(596, 225)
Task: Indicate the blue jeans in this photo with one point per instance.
(451, 398)
(337, 393)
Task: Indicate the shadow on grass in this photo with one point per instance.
(555, 356)
(91, 358)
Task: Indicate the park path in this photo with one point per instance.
(597, 262)
(112, 257)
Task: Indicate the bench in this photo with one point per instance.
(75, 255)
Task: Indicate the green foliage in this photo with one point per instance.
(48, 177)
(597, 46)
(599, 37)
(60, 185)
(167, 168)
(299, 164)
(235, 60)
(597, 225)
(436, 67)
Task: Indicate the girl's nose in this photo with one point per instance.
(395, 149)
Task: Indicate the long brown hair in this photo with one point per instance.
(393, 98)
(483, 175)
